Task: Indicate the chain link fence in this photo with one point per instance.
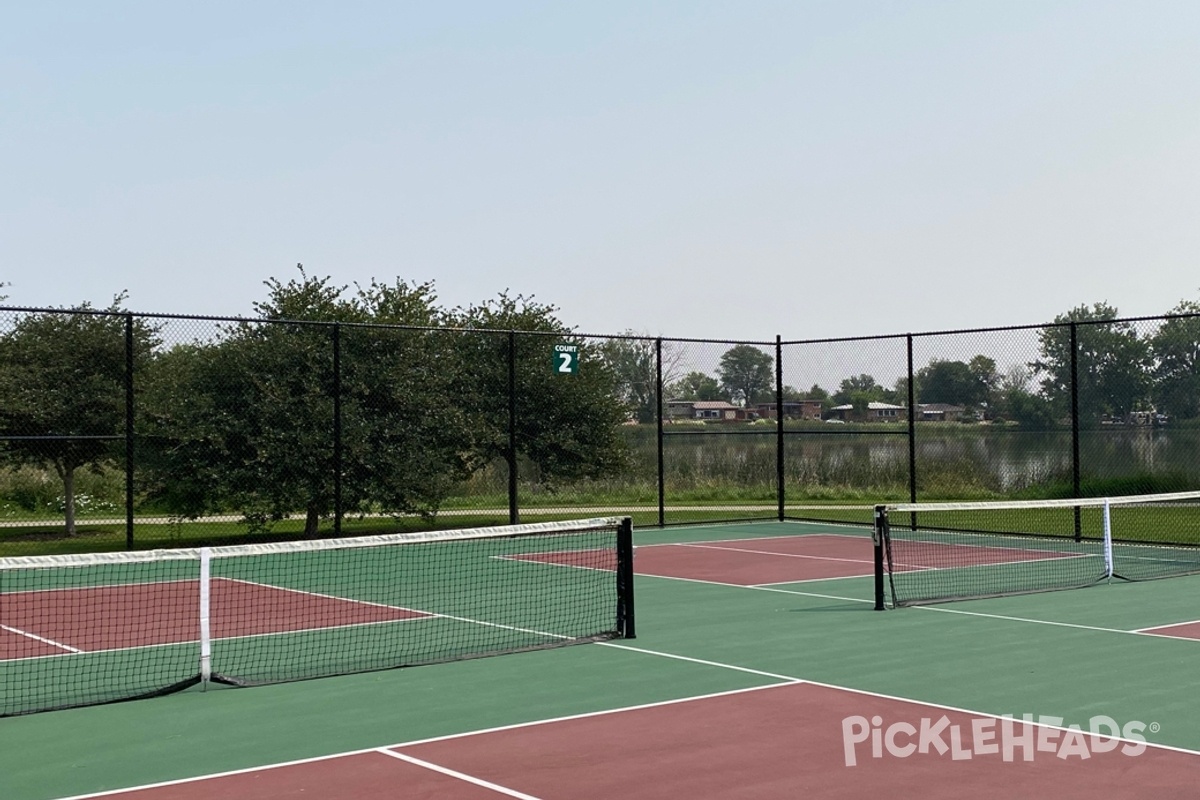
(120, 430)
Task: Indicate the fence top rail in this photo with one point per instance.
(307, 322)
(582, 335)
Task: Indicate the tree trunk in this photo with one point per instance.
(312, 520)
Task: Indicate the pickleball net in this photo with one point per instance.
(85, 629)
(937, 552)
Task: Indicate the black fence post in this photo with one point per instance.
(514, 513)
(658, 416)
(337, 429)
(912, 434)
(912, 426)
(1075, 479)
(779, 460)
(129, 433)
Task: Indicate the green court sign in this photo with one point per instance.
(566, 359)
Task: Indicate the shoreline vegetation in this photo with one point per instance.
(710, 477)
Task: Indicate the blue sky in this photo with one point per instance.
(726, 170)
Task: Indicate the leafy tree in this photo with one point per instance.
(986, 375)
(633, 360)
(1176, 354)
(815, 392)
(695, 386)
(863, 386)
(956, 382)
(567, 426)
(1015, 400)
(248, 423)
(747, 374)
(63, 384)
(945, 382)
(1112, 363)
(792, 394)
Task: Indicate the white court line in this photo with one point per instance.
(719, 544)
(184, 642)
(1053, 559)
(896, 698)
(321, 595)
(99, 586)
(722, 549)
(783, 681)
(947, 610)
(741, 540)
(1153, 628)
(36, 638)
(768, 587)
(417, 616)
(530, 558)
(462, 776)
(415, 742)
(684, 526)
(899, 542)
(765, 587)
(813, 580)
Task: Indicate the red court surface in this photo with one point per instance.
(1181, 630)
(744, 562)
(937, 555)
(757, 562)
(778, 743)
(41, 623)
(786, 559)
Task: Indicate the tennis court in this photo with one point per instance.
(759, 670)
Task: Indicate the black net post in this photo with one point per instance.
(878, 535)
(625, 614)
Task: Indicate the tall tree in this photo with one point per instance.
(248, 423)
(956, 382)
(946, 382)
(567, 426)
(695, 386)
(633, 360)
(63, 389)
(862, 386)
(747, 374)
(1112, 363)
(1015, 400)
(986, 376)
(1176, 354)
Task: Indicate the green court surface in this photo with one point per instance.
(1071, 655)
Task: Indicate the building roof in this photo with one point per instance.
(939, 407)
(871, 406)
